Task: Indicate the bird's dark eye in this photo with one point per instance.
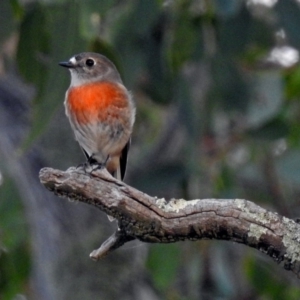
(89, 62)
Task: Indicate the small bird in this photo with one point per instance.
(101, 111)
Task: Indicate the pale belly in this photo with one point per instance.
(101, 140)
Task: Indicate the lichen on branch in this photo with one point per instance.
(154, 220)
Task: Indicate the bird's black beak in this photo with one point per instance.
(67, 64)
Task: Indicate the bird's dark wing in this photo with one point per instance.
(85, 153)
(89, 159)
(123, 159)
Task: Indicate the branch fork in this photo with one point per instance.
(154, 220)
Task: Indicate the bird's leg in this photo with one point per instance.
(94, 165)
(83, 166)
(98, 165)
(87, 166)
(92, 161)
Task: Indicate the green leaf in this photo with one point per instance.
(163, 262)
(160, 177)
(14, 254)
(130, 36)
(92, 15)
(158, 84)
(33, 46)
(288, 166)
(242, 33)
(266, 283)
(267, 97)
(233, 33)
(147, 11)
(102, 6)
(186, 36)
(289, 19)
(101, 46)
(292, 87)
(53, 81)
(17, 8)
(227, 8)
(230, 86)
(186, 107)
(272, 130)
(294, 130)
(6, 20)
(224, 183)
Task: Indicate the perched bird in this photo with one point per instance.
(101, 111)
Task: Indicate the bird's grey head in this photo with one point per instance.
(88, 67)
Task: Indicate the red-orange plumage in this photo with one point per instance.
(89, 102)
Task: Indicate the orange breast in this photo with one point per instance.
(91, 102)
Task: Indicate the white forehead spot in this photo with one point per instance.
(73, 60)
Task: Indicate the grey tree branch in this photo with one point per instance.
(154, 220)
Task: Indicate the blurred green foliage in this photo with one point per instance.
(237, 114)
(267, 284)
(164, 267)
(14, 243)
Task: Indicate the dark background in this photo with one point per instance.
(217, 89)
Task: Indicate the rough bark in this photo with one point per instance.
(154, 220)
